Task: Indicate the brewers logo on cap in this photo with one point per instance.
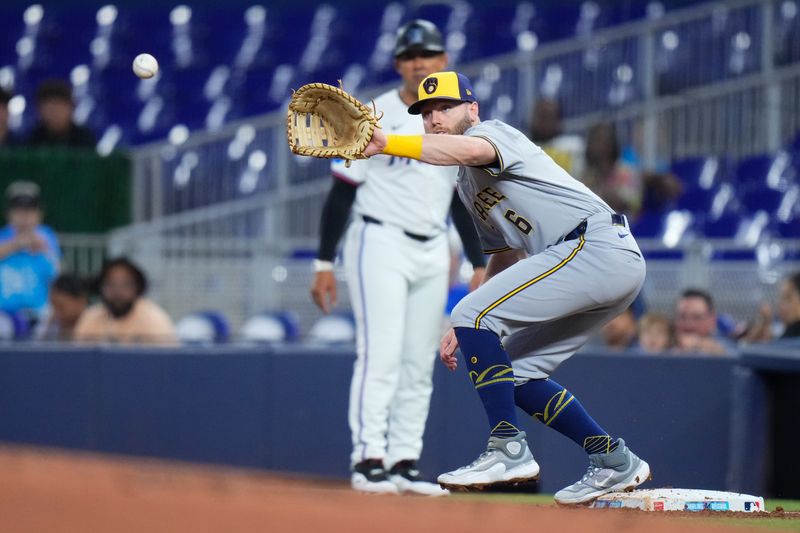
(430, 85)
(443, 86)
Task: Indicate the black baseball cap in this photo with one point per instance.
(419, 35)
(23, 194)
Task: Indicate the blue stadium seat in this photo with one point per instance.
(269, 327)
(762, 200)
(13, 326)
(336, 328)
(204, 327)
(699, 172)
(649, 225)
(760, 171)
(724, 227)
(697, 200)
(789, 229)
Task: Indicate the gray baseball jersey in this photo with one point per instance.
(546, 306)
(526, 201)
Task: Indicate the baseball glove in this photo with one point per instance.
(325, 121)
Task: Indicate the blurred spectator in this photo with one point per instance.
(547, 132)
(696, 325)
(611, 179)
(69, 298)
(29, 252)
(761, 327)
(656, 333)
(620, 333)
(55, 126)
(124, 315)
(789, 306)
(625, 187)
(6, 137)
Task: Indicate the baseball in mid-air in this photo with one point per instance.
(145, 66)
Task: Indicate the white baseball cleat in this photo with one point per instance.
(505, 461)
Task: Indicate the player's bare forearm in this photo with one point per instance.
(442, 150)
(451, 150)
(501, 261)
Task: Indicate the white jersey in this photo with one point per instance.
(397, 191)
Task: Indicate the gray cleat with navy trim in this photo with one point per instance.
(620, 470)
(505, 461)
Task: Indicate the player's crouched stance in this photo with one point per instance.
(563, 264)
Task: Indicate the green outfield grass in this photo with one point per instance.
(780, 524)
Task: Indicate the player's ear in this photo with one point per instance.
(474, 111)
(444, 60)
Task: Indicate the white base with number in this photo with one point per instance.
(681, 500)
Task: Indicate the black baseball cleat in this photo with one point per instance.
(405, 475)
(370, 476)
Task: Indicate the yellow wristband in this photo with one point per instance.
(404, 146)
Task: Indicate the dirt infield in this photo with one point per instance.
(48, 491)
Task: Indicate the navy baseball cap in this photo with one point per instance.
(443, 86)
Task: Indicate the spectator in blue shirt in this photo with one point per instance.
(29, 252)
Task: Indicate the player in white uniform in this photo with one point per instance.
(396, 257)
(564, 264)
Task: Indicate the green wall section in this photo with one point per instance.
(81, 191)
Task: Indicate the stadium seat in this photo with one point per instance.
(271, 328)
(724, 227)
(649, 225)
(768, 170)
(204, 327)
(788, 230)
(13, 326)
(699, 172)
(336, 328)
(698, 201)
(762, 200)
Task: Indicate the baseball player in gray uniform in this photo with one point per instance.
(396, 260)
(563, 264)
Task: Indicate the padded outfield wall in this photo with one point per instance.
(708, 423)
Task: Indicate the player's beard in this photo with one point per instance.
(463, 125)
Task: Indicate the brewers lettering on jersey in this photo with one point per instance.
(396, 258)
(562, 264)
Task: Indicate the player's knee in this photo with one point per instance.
(463, 314)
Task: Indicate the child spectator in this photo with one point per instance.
(29, 253)
(656, 334)
(69, 298)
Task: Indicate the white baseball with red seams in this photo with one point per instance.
(145, 66)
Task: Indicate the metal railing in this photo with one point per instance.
(82, 254)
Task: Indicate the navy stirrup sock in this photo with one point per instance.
(490, 370)
(552, 405)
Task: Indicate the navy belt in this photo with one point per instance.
(421, 238)
(616, 220)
